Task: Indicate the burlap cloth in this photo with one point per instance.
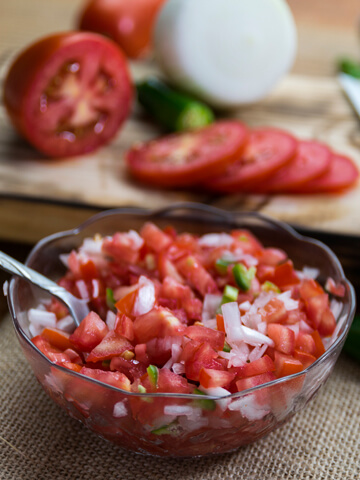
(39, 441)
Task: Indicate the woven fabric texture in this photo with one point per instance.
(39, 441)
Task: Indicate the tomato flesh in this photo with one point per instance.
(187, 158)
(266, 152)
(74, 97)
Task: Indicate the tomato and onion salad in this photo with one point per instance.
(69, 93)
(182, 313)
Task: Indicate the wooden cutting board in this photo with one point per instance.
(40, 196)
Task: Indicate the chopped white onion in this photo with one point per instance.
(120, 410)
(308, 272)
(210, 306)
(82, 288)
(336, 307)
(260, 301)
(95, 287)
(186, 410)
(295, 328)
(92, 246)
(35, 329)
(178, 368)
(42, 317)
(216, 240)
(251, 320)
(66, 324)
(145, 298)
(245, 306)
(305, 327)
(289, 303)
(249, 407)
(239, 256)
(257, 353)
(218, 392)
(190, 424)
(135, 237)
(110, 319)
(262, 327)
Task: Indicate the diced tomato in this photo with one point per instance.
(272, 256)
(203, 357)
(124, 326)
(158, 323)
(75, 367)
(193, 308)
(196, 275)
(74, 356)
(274, 311)
(305, 358)
(52, 353)
(327, 324)
(220, 325)
(155, 238)
(126, 304)
(247, 242)
(305, 343)
(202, 334)
(320, 349)
(112, 345)
(336, 289)
(250, 382)
(141, 355)
(315, 307)
(257, 367)
(286, 365)
(57, 338)
(167, 268)
(295, 316)
(116, 379)
(310, 288)
(133, 369)
(89, 333)
(210, 378)
(283, 337)
(123, 247)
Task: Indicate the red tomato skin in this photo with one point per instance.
(203, 334)
(199, 159)
(283, 337)
(286, 365)
(274, 311)
(257, 367)
(210, 378)
(128, 22)
(249, 382)
(112, 345)
(25, 82)
(89, 333)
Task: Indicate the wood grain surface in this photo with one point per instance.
(39, 196)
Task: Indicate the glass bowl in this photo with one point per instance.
(212, 424)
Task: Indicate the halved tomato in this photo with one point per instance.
(267, 150)
(341, 175)
(183, 159)
(128, 22)
(68, 93)
(311, 160)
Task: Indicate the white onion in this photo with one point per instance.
(145, 298)
(178, 368)
(82, 288)
(262, 327)
(6, 288)
(249, 407)
(210, 306)
(120, 410)
(251, 46)
(218, 392)
(245, 306)
(186, 410)
(42, 317)
(295, 328)
(289, 303)
(336, 307)
(35, 329)
(257, 353)
(110, 319)
(216, 240)
(66, 324)
(308, 272)
(137, 240)
(262, 300)
(95, 287)
(92, 246)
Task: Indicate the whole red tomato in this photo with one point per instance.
(68, 93)
(128, 22)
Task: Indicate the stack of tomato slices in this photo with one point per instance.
(183, 313)
(228, 158)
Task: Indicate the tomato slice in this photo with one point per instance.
(342, 174)
(266, 151)
(68, 93)
(179, 160)
(311, 161)
(128, 22)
